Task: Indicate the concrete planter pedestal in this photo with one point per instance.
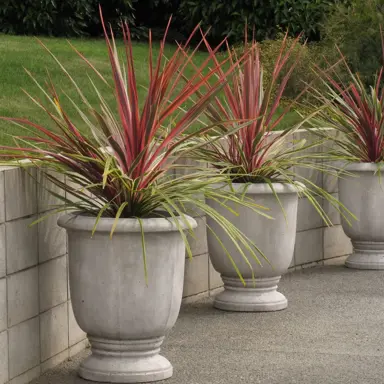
(125, 319)
(275, 238)
(363, 195)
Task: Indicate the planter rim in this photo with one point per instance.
(73, 221)
(264, 188)
(364, 167)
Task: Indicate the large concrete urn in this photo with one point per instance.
(125, 318)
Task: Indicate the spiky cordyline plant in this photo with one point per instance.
(123, 170)
(354, 110)
(257, 153)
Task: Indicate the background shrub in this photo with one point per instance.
(354, 25)
(356, 30)
(269, 17)
(114, 11)
(154, 14)
(60, 17)
(309, 56)
(302, 73)
(81, 17)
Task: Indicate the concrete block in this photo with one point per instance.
(77, 348)
(27, 377)
(54, 361)
(309, 138)
(76, 334)
(23, 296)
(215, 280)
(45, 200)
(331, 211)
(309, 246)
(330, 180)
(289, 139)
(24, 347)
(3, 268)
(190, 208)
(68, 286)
(311, 265)
(309, 173)
(21, 244)
(53, 283)
(52, 238)
(4, 357)
(188, 166)
(196, 275)
(3, 305)
(336, 243)
(330, 183)
(307, 215)
(198, 242)
(77, 189)
(293, 262)
(2, 198)
(336, 260)
(20, 193)
(54, 331)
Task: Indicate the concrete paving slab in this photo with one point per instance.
(332, 332)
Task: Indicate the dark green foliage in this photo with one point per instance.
(60, 17)
(355, 29)
(114, 11)
(155, 14)
(81, 17)
(268, 17)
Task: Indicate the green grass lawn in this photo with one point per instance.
(19, 52)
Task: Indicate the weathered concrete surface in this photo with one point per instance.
(332, 332)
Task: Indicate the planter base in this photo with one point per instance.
(133, 361)
(259, 295)
(366, 255)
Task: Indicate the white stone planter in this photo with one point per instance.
(275, 238)
(125, 319)
(363, 195)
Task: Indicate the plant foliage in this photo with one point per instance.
(124, 168)
(356, 112)
(355, 28)
(254, 153)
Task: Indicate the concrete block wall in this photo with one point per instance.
(316, 243)
(199, 277)
(37, 327)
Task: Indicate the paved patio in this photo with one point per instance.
(332, 332)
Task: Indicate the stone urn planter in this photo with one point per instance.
(363, 195)
(125, 318)
(275, 238)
